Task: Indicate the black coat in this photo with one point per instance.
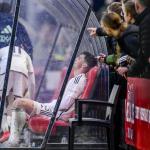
(100, 32)
(129, 41)
(110, 41)
(142, 67)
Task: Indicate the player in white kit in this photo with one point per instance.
(21, 81)
(73, 90)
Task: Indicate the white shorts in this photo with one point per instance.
(17, 87)
(44, 108)
(17, 84)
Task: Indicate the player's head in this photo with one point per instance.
(84, 62)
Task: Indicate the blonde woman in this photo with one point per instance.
(126, 35)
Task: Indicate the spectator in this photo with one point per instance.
(113, 26)
(130, 15)
(142, 66)
(111, 42)
(113, 7)
(129, 12)
(124, 34)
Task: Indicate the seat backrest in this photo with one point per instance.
(91, 78)
(113, 100)
(100, 90)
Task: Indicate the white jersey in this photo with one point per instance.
(21, 63)
(73, 90)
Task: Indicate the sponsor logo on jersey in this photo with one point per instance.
(5, 34)
(77, 79)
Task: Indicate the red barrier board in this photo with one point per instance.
(137, 113)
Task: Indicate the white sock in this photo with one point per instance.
(4, 125)
(17, 123)
(9, 121)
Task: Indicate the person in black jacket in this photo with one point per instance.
(142, 65)
(110, 41)
(129, 12)
(126, 35)
(128, 40)
(113, 7)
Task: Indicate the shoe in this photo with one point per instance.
(4, 136)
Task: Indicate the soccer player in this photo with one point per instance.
(21, 81)
(73, 90)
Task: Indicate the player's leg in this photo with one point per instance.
(20, 107)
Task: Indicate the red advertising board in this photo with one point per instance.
(137, 113)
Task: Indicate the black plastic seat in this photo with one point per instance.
(108, 122)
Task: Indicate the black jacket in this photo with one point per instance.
(129, 41)
(142, 67)
(100, 32)
(110, 41)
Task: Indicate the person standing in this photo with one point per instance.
(142, 66)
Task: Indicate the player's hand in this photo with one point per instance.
(92, 31)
